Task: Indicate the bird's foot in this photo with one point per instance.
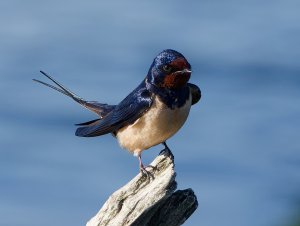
(143, 169)
(146, 172)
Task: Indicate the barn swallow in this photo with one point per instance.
(151, 113)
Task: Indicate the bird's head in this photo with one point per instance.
(169, 70)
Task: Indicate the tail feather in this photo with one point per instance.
(51, 86)
(100, 109)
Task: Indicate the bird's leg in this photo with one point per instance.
(166, 146)
(142, 168)
(167, 149)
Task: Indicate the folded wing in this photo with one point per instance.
(196, 93)
(126, 113)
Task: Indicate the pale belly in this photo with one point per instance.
(154, 127)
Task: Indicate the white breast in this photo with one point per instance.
(154, 127)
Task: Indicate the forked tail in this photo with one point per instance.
(100, 109)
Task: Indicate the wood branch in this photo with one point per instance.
(149, 199)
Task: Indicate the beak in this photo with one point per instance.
(184, 71)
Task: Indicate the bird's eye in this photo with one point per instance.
(167, 68)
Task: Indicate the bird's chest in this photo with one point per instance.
(155, 126)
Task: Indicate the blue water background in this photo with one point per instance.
(239, 150)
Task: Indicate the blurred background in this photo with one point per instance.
(239, 149)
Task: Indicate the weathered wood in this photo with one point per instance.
(149, 199)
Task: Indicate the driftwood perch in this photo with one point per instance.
(149, 200)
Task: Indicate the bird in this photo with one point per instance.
(152, 113)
